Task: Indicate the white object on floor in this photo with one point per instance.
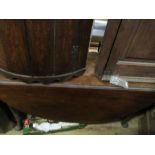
(46, 127)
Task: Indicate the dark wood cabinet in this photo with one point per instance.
(44, 50)
(52, 48)
(131, 54)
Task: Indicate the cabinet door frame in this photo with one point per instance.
(117, 62)
(106, 46)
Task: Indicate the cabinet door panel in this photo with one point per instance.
(72, 37)
(143, 43)
(13, 49)
(40, 39)
(106, 46)
(44, 50)
(64, 32)
(133, 53)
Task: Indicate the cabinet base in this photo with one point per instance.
(42, 79)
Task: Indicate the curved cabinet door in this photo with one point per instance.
(43, 50)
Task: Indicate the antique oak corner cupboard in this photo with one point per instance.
(44, 50)
(128, 50)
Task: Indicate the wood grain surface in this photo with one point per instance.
(132, 54)
(82, 99)
(38, 50)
